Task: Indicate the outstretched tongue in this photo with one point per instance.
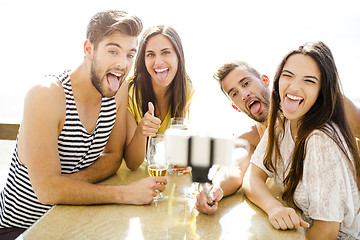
(255, 108)
(113, 82)
(291, 105)
(162, 75)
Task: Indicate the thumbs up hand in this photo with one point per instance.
(151, 108)
(149, 124)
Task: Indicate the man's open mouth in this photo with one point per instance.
(254, 106)
(113, 79)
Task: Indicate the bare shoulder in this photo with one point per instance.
(251, 135)
(351, 109)
(353, 115)
(44, 113)
(46, 96)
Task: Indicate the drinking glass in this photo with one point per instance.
(178, 123)
(156, 161)
(181, 124)
(193, 190)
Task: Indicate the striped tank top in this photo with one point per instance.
(78, 149)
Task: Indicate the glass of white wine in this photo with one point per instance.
(156, 161)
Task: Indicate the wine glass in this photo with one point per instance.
(157, 164)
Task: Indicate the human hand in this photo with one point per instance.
(202, 202)
(286, 218)
(143, 191)
(181, 169)
(149, 124)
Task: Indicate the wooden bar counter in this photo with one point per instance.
(175, 218)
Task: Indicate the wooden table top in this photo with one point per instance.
(175, 218)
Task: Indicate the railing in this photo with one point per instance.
(8, 131)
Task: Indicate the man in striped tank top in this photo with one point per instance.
(73, 132)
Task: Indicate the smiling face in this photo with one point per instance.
(111, 62)
(249, 93)
(299, 86)
(161, 61)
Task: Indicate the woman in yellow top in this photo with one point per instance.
(159, 90)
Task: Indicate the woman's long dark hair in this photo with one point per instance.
(142, 81)
(327, 113)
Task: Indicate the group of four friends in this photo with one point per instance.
(303, 136)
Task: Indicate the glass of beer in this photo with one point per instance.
(157, 164)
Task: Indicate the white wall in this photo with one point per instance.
(41, 37)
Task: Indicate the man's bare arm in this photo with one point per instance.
(38, 151)
(230, 179)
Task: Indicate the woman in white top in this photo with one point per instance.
(309, 149)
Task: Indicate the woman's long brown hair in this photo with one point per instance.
(142, 80)
(327, 113)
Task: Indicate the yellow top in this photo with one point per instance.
(136, 111)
